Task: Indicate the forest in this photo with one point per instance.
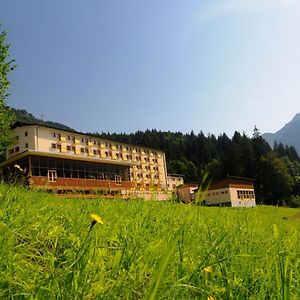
(276, 171)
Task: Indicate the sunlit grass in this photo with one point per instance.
(144, 250)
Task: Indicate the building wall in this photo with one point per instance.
(232, 195)
(174, 181)
(218, 196)
(79, 184)
(246, 200)
(185, 194)
(147, 166)
(23, 140)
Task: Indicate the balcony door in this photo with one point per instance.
(52, 175)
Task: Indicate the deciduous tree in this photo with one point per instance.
(6, 118)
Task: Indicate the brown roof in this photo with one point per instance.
(232, 181)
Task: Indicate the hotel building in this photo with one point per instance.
(65, 161)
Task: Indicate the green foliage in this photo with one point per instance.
(144, 250)
(286, 151)
(6, 118)
(275, 179)
(193, 155)
(294, 201)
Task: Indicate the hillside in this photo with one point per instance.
(287, 135)
(23, 115)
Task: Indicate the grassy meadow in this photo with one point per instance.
(144, 250)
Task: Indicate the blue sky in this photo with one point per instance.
(215, 66)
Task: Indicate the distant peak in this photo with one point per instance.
(296, 117)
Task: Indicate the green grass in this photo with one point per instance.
(144, 250)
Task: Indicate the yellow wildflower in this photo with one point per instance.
(18, 167)
(96, 219)
(210, 298)
(208, 269)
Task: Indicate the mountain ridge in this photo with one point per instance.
(289, 134)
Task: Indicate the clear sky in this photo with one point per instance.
(127, 65)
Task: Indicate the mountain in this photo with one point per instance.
(287, 135)
(23, 115)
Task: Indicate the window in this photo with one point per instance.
(73, 149)
(95, 152)
(243, 194)
(53, 146)
(26, 145)
(82, 150)
(68, 148)
(52, 175)
(26, 133)
(17, 149)
(54, 135)
(69, 138)
(59, 147)
(118, 179)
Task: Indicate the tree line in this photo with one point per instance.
(276, 171)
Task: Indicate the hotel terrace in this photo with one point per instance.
(65, 161)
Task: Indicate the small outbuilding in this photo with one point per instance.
(231, 191)
(185, 192)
